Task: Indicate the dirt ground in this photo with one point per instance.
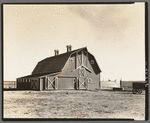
(74, 104)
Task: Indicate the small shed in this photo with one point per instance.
(77, 69)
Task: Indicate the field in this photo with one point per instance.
(74, 104)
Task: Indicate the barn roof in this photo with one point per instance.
(54, 63)
(39, 75)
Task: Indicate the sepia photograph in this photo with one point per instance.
(74, 61)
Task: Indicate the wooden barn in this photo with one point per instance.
(75, 69)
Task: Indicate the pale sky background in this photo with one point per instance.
(113, 33)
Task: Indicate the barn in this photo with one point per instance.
(75, 69)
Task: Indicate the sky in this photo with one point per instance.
(113, 33)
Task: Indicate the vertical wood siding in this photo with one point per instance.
(66, 83)
(70, 70)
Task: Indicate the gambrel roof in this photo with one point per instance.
(51, 64)
(56, 63)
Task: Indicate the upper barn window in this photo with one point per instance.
(90, 80)
(71, 60)
(82, 72)
(92, 61)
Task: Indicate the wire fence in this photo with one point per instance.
(109, 85)
(9, 84)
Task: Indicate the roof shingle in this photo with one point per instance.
(54, 63)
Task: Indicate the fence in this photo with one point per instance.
(9, 84)
(109, 85)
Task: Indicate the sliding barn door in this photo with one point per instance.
(51, 83)
(66, 83)
(34, 84)
(83, 83)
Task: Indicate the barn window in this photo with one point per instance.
(90, 80)
(92, 61)
(71, 60)
(82, 72)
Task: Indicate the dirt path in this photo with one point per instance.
(73, 104)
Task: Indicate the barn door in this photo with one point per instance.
(83, 83)
(51, 83)
(34, 84)
(76, 83)
(82, 61)
(81, 58)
